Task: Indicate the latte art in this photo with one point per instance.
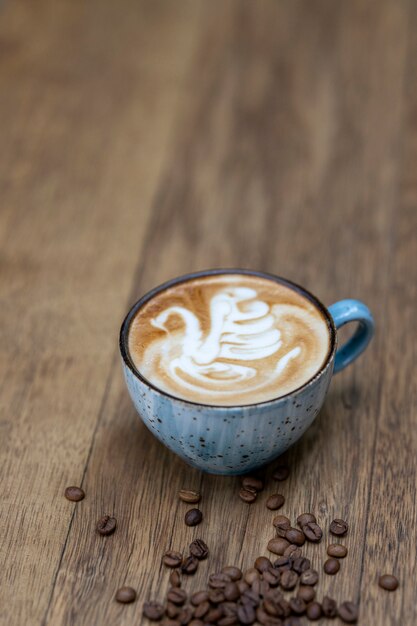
(228, 339)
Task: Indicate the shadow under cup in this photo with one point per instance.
(236, 439)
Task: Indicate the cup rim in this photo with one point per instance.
(125, 327)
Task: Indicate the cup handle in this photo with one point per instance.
(346, 311)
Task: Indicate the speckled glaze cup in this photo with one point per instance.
(238, 439)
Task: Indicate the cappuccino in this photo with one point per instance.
(229, 339)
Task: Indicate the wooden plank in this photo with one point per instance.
(285, 158)
(87, 99)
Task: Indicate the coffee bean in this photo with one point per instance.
(278, 545)
(305, 518)
(262, 616)
(275, 502)
(388, 582)
(306, 593)
(126, 595)
(172, 611)
(196, 622)
(295, 536)
(193, 517)
(282, 524)
(298, 606)
(283, 563)
(170, 622)
(262, 563)
(271, 607)
(189, 565)
(331, 566)
(348, 612)
(272, 577)
(106, 525)
(189, 495)
(213, 615)
(339, 527)
(301, 564)
(185, 615)
(260, 587)
(74, 494)
(177, 596)
(231, 592)
(198, 597)
(281, 607)
(172, 558)
(152, 610)
(247, 496)
(337, 550)
(293, 551)
(202, 609)
(288, 579)
(252, 483)
(228, 620)
(242, 585)
(219, 580)
(292, 621)
(229, 608)
(312, 532)
(281, 472)
(329, 607)
(309, 577)
(251, 575)
(246, 614)
(314, 611)
(175, 579)
(216, 596)
(233, 572)
(199, 549)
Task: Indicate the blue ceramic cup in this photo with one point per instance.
(238, 439)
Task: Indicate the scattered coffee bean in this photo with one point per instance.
(339, 527)
(272, 577)
(306, 593)
(289, 579)
(295, 536)
(172, 558)
(233, 572)
(329, 607)
(185, 615)
(260, 587)
(275, 502)
(175, 579)
(202, 609)
(126, 595)
(219, 580)
(262, 563)
(283, 563)
(283, 607)
(305, 518)
(388, 582)
(301, 564)
(227, 620)
(246, 614)
(348, 612)
(298, 606)
(231, 592)
(152, 610)
(193, 517)
(262, 616)
(172, 610)
(281, 472)
(189, 565)
(199, 549)
(331, 566)
(314, 611)
(213, 615)
(198, 597)
(74, 494)
(252, 483)
(106, 525)
(278, 545)
(337, 550)
(242, 585)
(251, 575)
(293, 551)
(216, 596)
(177, 596)
(270, 607)
(282, 524)
(312, 532)
(189, 495)
(309, 577)
(247, 496)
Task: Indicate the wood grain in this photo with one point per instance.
(144, 140)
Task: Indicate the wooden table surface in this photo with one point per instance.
(145, 139)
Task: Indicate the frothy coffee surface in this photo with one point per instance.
(228, 339)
